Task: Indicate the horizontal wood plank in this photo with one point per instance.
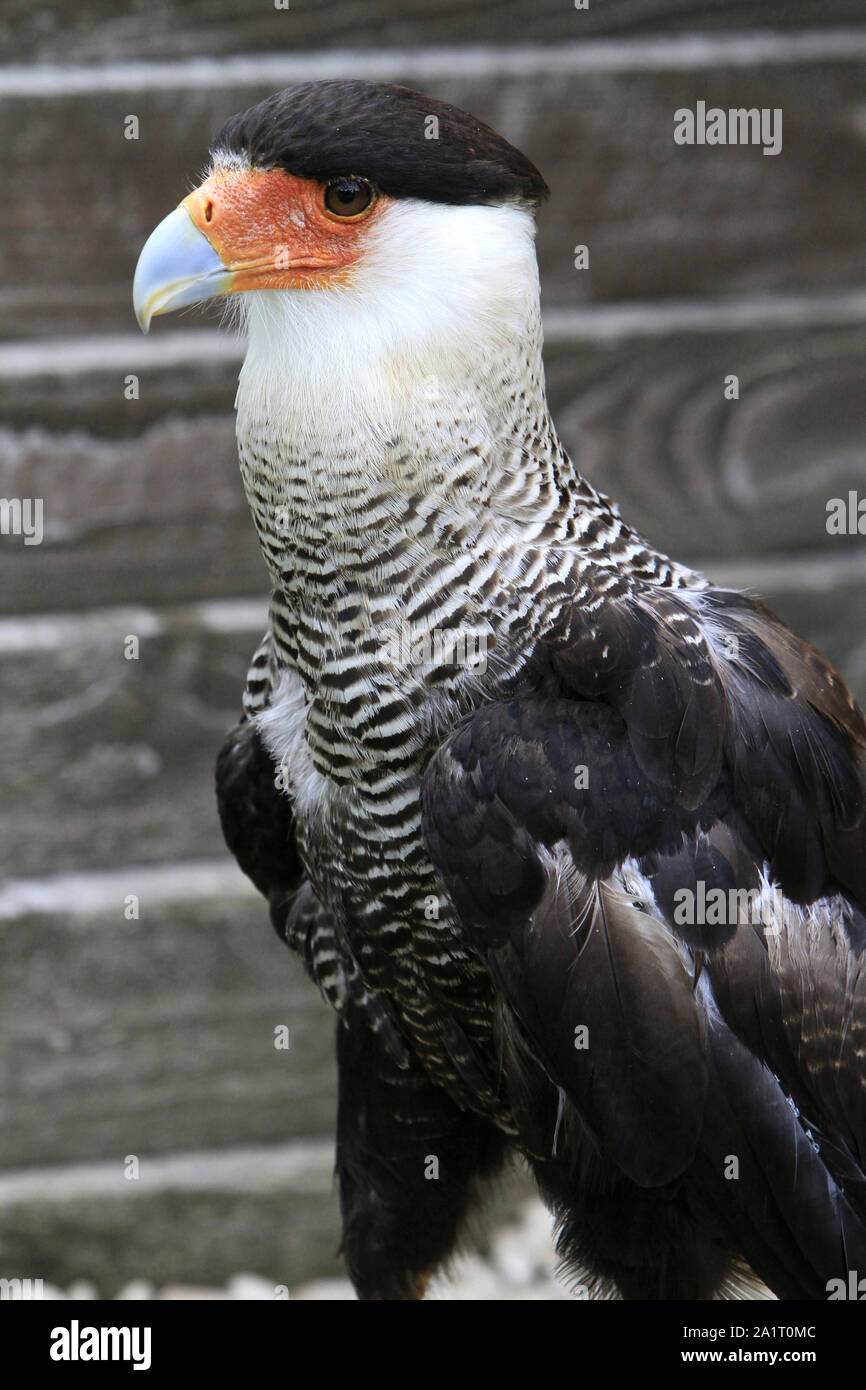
(109, 762)
(188, 1238)
(142, 500)
(140, 1037)
(194, 1220)
(659, 219)
(106, 760)
(649, 420)
(96, 30)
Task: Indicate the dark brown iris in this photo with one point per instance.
(348, 197)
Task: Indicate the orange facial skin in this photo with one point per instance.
(272, 230)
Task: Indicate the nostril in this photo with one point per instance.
(208, 211)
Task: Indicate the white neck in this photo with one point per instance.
(442, 308)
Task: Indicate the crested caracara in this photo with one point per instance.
(570, 839)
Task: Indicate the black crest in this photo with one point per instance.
(408, 144)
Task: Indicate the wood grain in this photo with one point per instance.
(197, 1219)
(194, 1239)
(143, 502)
(107, 762)
(701, 475)
(149, 1036)
(155, 1036)
(96, 30)
(659, 219)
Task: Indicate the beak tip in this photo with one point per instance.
(142, 300)
(177, 266)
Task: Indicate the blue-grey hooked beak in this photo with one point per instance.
(177, 266)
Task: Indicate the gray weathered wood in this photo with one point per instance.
(154, 517)
(196, 1219)
(659, 219)
(104, 761)
(198, 1239)
(155, 1037)
(700, 475)
(142, 1037)
(143, 501)
(96, 30)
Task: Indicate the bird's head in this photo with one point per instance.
(345, 188)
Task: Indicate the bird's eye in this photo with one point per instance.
(348, 197)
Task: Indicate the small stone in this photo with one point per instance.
(137, 1290)
(250, 1286)
(336, 1290)
(81, 1290)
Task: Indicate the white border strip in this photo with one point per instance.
(72, 356)
(98, 352)
(27, 633)
(659, 319)
(103, 891)
(817, 571)
(578, 57)
(770, 576)
(305, 1166)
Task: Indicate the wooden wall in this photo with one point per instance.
(153, 1037)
